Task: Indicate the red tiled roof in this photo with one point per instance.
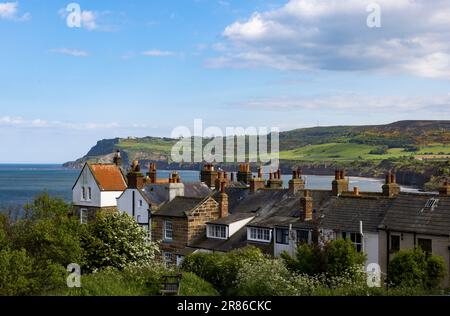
(109, 177)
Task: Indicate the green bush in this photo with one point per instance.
(193, 285)
(336, 258)
(130, 281)
(414, 268)
(116, 240)
(221, 269)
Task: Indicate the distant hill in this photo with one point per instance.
(317, 144)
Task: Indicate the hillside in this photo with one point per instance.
(318, 144)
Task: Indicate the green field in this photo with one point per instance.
(340, 151)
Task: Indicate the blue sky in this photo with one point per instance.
(139, 68)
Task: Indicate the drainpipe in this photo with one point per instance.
(388, 237)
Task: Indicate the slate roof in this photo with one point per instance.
(232, 218)
(408, 214)
(156, 194)
(178, 207)
(109, 177)
(344, 213)
(238, 240)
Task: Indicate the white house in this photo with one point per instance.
(97, 188)
(135, 203)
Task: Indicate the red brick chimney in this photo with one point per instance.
(223, 201)
(208, 175)
(117, 160)
(135, 178)
(306, 206)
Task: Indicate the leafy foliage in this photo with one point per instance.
(116, 240)
(416, 268)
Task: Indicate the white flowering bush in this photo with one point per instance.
(116, 240)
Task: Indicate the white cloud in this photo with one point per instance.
(158, 53)
(9, 11)
(353, 102)
(333, 35)
(70, 52)
(41, 123)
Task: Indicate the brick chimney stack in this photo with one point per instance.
(135, 178)
(244, 174)
(151, 174)
(340, 183)
(296, 183)
(306, 206)
(444, 190)
(275, 181)
(391, 188)
(208, 175)
(223, 201)
(356, 191)
(117, 160)
(257, 183)
(175, 187)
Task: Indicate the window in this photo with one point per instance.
(180, 260)
(217, 231)
(302, 236)
(167, 258)
(356, 239)
(425, 244)
(431, 203)
(83, 216)
(395, 243)
(83, 193)
(90, 193)
(260, 234)
(140, 203)
(282, 236)
(138, 219)
(168, 230)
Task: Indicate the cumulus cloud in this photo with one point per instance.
(353, 102)
(70, 52)
(10, 11)
(414, 38)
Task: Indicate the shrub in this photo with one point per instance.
(336, 258)
(116, 240)
(221, 269)
(415, 268)
(193, 285)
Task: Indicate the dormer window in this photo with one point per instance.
(216, 231)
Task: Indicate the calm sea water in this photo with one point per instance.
(20, 183)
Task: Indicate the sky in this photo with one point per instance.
(144, 68)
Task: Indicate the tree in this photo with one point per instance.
(342, 257)
(336, 258)
(416, 268)
(116, 240)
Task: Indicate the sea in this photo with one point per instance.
(20, 183)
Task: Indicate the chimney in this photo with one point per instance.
(152, 173)
(275, 181)
(257, 183)
(175, 187)
(117, 160)
(296, 183)
(306, 206)
(223, 201)
(356, 191)
(391, 188)
(135, 178)
(444, 190)
(339, 184)
(208, 175)
(244, 175)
